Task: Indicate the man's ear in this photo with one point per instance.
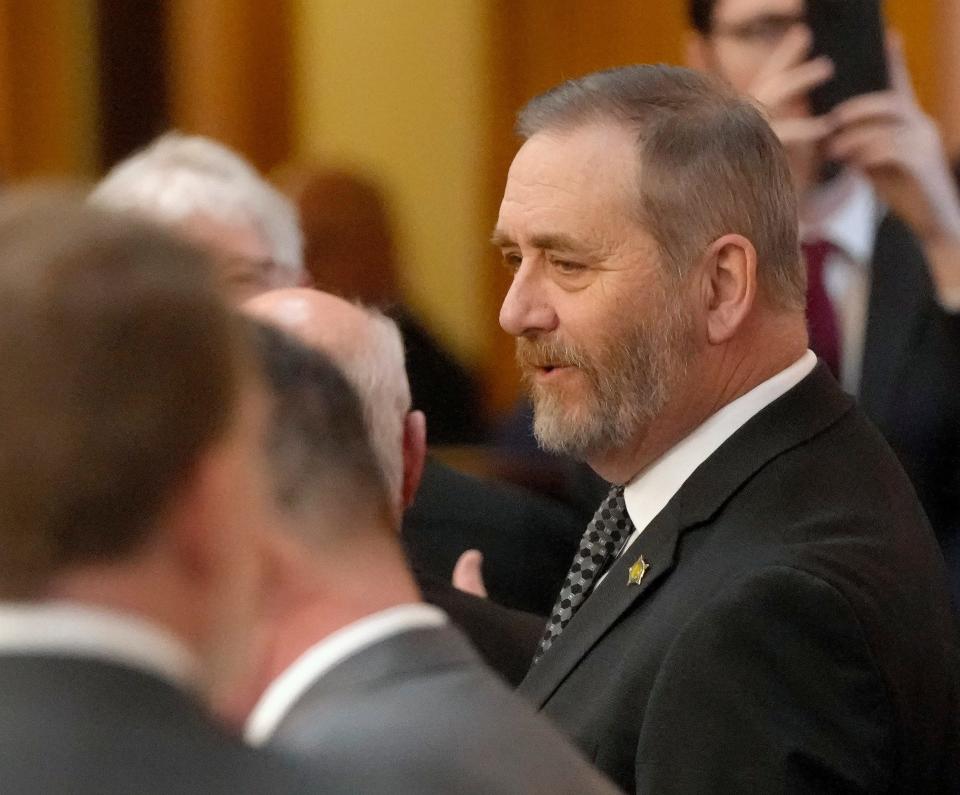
(728, 286)
(414, 454)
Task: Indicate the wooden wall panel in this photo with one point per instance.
(230, 74)
(47, 73)
(947, 67)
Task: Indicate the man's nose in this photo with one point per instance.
(526, 308)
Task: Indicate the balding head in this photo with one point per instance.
(368, 347)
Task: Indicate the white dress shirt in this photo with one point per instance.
(650, 491)
(278, 699)
(846, 213)
(70, 629)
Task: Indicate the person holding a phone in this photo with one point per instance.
(879, 213)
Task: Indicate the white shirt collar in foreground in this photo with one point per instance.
(71, 629)
(278, 699)
(650, 491)
(845, 212)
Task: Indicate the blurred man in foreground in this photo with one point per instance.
(362, 678)
(131, 506)
(881, 240)
(210, 195)
(366, 345)
(748, 605)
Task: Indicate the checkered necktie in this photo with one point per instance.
(602, 541)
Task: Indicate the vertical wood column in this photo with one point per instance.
(948, 69)
(47, 78)
(230, 74)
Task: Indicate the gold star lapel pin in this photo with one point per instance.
(637, 570)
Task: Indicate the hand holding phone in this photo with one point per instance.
(851, 34)
(887, 136)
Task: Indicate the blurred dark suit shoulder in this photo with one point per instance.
(418, 714)
(527, 541)
(910, 382)
(506, 639)
(72, 726)
(441, 387)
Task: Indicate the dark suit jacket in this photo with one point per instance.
(506, 639)
(910, 382)
(440, 386)
(417, 713)
(527, 541)
(792, 633)
(71, 726)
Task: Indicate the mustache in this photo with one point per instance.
(533, 353)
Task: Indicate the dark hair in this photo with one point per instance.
(708, 164)
(701, 14)
(322, 464)
(121, 365)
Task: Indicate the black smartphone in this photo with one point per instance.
(851, 33)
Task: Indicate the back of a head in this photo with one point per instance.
(326, 476)
(368, 348)
(179, 176)
(376, 368)
(708, 164)
(121, 366)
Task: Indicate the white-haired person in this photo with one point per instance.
(217, 200)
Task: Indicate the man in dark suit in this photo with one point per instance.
(131, 502)
(747, 611)
(881, 238)
(364, 679)
(368, 348)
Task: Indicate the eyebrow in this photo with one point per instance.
(555, 241)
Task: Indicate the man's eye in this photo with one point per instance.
(512, 260)
(769, 29)
(567, 267)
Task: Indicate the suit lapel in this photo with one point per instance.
(899, 283)
(657, 543)
(806, 410)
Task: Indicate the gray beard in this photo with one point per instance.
(629, 384)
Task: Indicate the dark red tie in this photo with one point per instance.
(821, 319)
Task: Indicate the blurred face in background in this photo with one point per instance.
(761, 47)
(242, 257)
(746, 33)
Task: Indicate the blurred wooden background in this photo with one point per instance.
(419, 94)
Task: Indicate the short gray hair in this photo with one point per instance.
(376, 369)
(711, 165)
(178, 176)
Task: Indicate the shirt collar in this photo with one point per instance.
(69, 629)
(650, 491)
(279, 698)
(845, 212)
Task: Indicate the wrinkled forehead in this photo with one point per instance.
(588, 169)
